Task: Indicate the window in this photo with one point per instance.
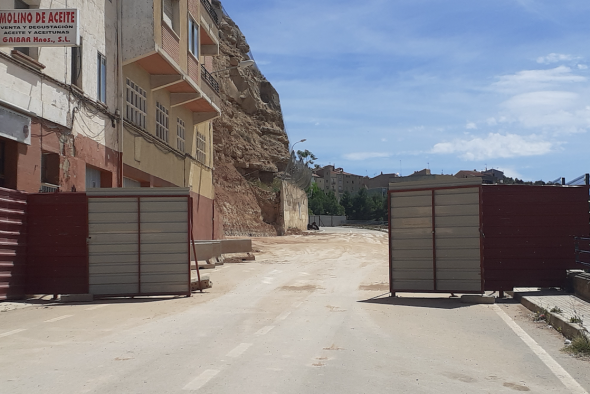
(201, 148)
(170, 13)
(161, 122)
(50, 163)
(102, 78)
(180, 134)
(136, 109)
(76, 78)
(193, 37)
(92, 178)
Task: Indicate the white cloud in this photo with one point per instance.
(562, 111)
(555, 58)
(537, 79)
(471, 126)
(495, 145)
(356, 156)
(582, 66)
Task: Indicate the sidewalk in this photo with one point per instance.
(565, 307)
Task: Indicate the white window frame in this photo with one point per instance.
(201, 148)
(162, 125)
(193, 37)
(101, 94)
(180, 134)
(136, 110)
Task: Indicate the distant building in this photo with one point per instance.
(333, 179)
(488, 177)
(380, 181)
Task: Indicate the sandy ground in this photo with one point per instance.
(311, 315)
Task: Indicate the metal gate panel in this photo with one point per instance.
(13, 248)
(411, 244)
(113, 246)
(164, 254)
(139, 240)
(458, 248)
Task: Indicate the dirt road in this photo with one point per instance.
(309, 316)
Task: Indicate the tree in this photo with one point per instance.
(307, 157)
(332, 207)
(346, 202)
(379, 207)
(316, 199)
(321, 203)
(362, 206)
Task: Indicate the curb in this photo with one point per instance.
(567, 329)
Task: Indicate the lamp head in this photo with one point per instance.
(246, 63)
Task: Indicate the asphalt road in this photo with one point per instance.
(309, 316)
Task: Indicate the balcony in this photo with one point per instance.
(210, 11)
(209, 29)
(207, 77)
(162, 56)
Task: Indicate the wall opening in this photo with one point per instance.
(50, 168)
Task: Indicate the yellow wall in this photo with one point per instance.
(158, 161)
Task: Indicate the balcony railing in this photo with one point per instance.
(48, 188)
(207, 77)
(210, 11)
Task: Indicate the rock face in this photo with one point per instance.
(250, 142)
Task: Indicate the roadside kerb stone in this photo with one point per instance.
(544, 301)
(76, 298)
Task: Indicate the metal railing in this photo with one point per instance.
(297, 172)
(209, 7)
(48, 188)
(211, 81)
(582, 250)
(580, 181)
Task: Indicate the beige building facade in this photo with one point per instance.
(130, 106)
(338, 181)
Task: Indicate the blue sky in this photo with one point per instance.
(401, 85)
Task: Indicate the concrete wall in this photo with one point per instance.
(327, 220)
(138, 29)
(294, 207)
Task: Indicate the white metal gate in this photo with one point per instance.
(139, 241)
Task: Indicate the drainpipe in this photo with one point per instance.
(121, 86)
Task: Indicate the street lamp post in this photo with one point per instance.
(293, 146)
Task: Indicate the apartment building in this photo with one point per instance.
(127, 103)
(338, 181)
(171, 98)
(58, 103)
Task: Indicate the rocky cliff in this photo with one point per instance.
(250, 143)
